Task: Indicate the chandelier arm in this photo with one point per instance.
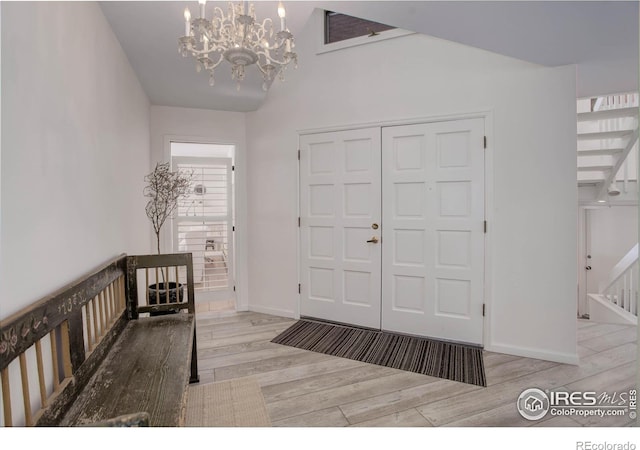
(271, 59)
(263, 25)
(264, 72)
(218, 11)
(276, 62)
(279, 46)
(217, 41)
(214, 65)
(197, 52)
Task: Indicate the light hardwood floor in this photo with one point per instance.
(303, 388)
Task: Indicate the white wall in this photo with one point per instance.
(201, 125)
(75, 148)
(531, 278)
(0, 150)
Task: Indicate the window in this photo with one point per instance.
(339, 27)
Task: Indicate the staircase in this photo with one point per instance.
(608, 173)
(607, 144)
(617, 299)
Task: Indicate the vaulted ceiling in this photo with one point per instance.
(601, 38)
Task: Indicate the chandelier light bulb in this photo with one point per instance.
(187, 22)
(282, 14)
(203, 4)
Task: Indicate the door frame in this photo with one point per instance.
(239, 206)
(487, 115)
(584, 242)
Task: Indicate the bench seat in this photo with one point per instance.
(147, 369)
(99, 352)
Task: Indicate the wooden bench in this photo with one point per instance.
(93, 353)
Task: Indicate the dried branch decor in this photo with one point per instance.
(164, 188)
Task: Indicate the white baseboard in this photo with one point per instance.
(273, 311)
(242, 308)
(564, 358)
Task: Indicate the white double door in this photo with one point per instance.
(392, 228)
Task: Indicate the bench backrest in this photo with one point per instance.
(50, 350)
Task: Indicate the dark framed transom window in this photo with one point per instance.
(339, 27)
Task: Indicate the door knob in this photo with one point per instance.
(373, 240)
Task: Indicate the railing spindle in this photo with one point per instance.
(112, 305)
(88, 317)
(177, 286)
(24, 375)
(103, 319)
(66, 350)
(114, 299)
(96, 328)
(107, 306)
(54, 358)
(157, 288)
(6, 397)
(122, 293)
(43, 386)
(146, 277)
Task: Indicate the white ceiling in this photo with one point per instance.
(600, 37)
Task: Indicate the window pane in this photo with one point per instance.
(339, 27)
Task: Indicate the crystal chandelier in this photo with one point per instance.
(239, 39)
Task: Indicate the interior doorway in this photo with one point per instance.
(609, 233)
(204, 222)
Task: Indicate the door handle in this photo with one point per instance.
(588, 267)
(373, 240)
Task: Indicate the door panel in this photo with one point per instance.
(433, 242)
(339, 202)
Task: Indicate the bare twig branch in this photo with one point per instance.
(164, 189)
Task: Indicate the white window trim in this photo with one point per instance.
(353, 42)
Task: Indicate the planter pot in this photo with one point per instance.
(159, 294)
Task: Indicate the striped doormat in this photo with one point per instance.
(455, 362)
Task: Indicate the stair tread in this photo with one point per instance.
(604, 134)
(591, 176)
(594, 168)
(608, 114)
(599, 151)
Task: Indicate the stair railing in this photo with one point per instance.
(622, 170)
(614, 101)
(621, 287)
